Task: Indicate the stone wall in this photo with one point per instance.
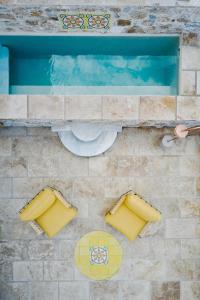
(127, 19)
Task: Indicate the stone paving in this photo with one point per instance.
(164, 265)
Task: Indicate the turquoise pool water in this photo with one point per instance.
(92, 64)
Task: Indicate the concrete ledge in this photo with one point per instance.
(128, 110)
(158, 108)
(13, 107)
(188, 108)
(83, 107)
(120, 107)
(45, 107)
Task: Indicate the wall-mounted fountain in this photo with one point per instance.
(88, 139)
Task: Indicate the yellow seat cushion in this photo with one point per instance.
(142, 208)
(126, 222)
(55, 218)
(38, 205)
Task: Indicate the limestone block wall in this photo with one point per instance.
(127, 110)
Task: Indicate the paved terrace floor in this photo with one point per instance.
(163, 266)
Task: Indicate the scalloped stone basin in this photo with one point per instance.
(84, 139)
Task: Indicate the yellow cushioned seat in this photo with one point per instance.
(126, 222)
(48, 211)
(55, 218)
(131, 214)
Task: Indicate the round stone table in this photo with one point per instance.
(98, 255)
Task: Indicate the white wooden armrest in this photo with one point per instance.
(62, 199)
(36, 227)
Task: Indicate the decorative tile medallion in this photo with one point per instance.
(98, 255)
(98, 21)
(85, 21)
(72, 21)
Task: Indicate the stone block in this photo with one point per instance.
(148, 166)
(46, 107)
(58, 270)
(99, 208)
(14, 290)
(9, 208)
(161, 248)
(44, 290)
(74, 290)
(13, 167)
(5, 187)
(180, 228)
(116, 186)
(166, 290)
(188, 83)
(104, 290)
(88, 188)
(130, 290)
(169, 206)
(180, 269)
(71, 165)
(179, 186)
(14, 229)
(27, 188)
(41, 249)
(65, 249)
(142, 269)
(124, 143)
(120, 107)
(190, 248)
(157, 108)
(13, 107)
(83, 108)
(196, 274)
(46, 168)
(5, 146)
(38, 145)
(189, 207)
(13, 250)
(190, 58)
(102, 166)
(64, 166)
(190, 290)
(189, 166)
(81, 205)
(138, 250)
(6, 272)
(188, 108)
(28, 271)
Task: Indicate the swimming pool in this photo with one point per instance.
(64, 64)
